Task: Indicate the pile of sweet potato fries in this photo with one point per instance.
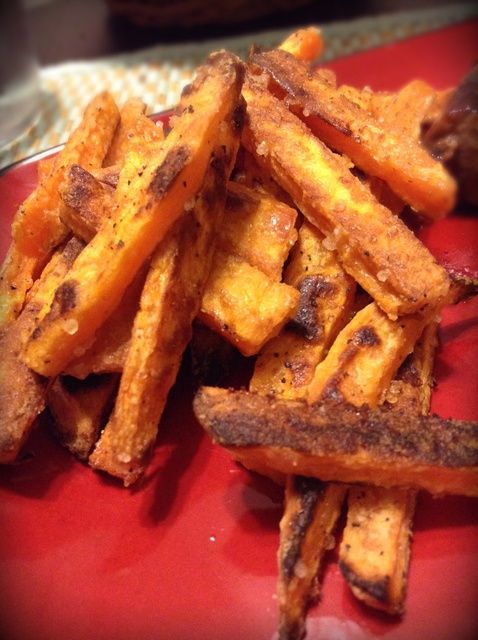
(270, 213)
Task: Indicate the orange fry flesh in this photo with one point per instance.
(162, 327)
(304, 44)
(373, 245)
(37, 227)
(151, 195)
(410, 171)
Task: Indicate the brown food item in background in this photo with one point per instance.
(452, 135)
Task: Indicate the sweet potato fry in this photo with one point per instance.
(151, 194)
(400, 161)
(304, 44)
(311, 511)
(244, 305)
(286, 364)
(37, 228)
(88, 202)
(257, 228)
(365, 356)
(375, 549)
(80, 409)
(373, 245)
(22, 392)
(162, 328)
(343, 443)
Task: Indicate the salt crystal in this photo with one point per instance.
(300, 569)
(383, 275)
(124, 457)
(262, 148)
(189, 204)
(71, 326)
(329, 243)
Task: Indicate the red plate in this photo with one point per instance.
(191, 552)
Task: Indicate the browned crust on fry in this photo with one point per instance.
(336, 441)
(168, 170)
(311, 511)
(79, 410)
(373, 245)
(150, 198)
(87, 202)
(347, 127)
(22, 391)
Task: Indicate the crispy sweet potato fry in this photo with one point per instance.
(162, 328)
(365, 356)
(286, 364)
(258, 228)
(400, 161)
(244, 305)
(304, 44)
(373, 245)
(22, 392)
(311, 511)
(80, 409)
(343, 443)
(151, 195)
(88, 202)
(37, 227)
(375, 549)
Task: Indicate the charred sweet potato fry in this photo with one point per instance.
(258, 228)
(286, 364)
(80, 409)
(244, 305)
(284, 367)
(343, 443)
(37, 227)
(373, 245)
(162, 328)
(375, 548)
(311, 511)
(88, 202)
(400, 161)
(151, 194)
(22, 391)
(365, 356)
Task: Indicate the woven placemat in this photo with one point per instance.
(157, 74)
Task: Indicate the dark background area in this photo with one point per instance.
(80, 29)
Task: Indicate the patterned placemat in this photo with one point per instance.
(157, 74)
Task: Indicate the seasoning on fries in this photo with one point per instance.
(269, 215)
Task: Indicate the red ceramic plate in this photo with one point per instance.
(191, 552)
